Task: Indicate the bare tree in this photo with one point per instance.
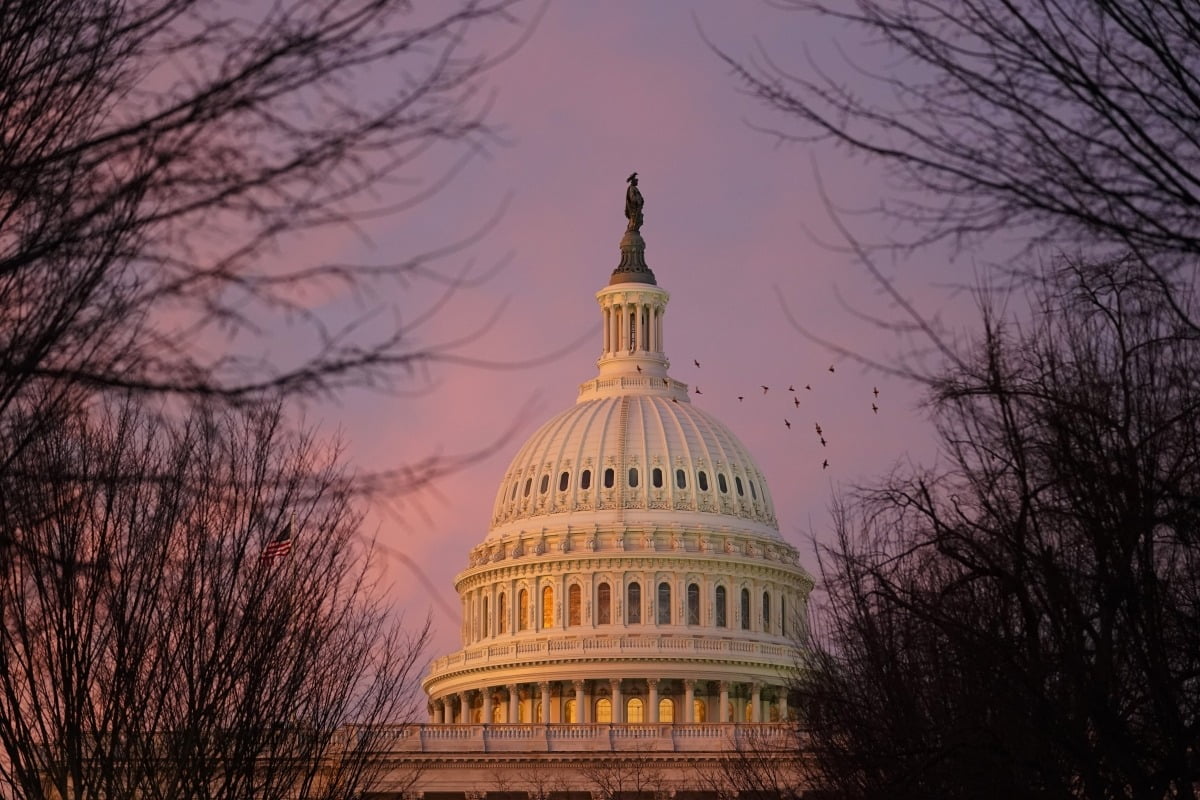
(1070, 123)
(761, 764)
(625, 776)
(191, 617)
(1026, 620)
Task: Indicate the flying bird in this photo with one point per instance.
(698, 390)
(876, 390)
(791, 388)
(785, 422)
(822, 438)
(817, 425)
(639, 367)
(765, 388)
(831, 367)
(875, 408)
(694, 361)
(741, 398)
(808, 386)
(796, 400)
(825, 464)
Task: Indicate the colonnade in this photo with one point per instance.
(633, 327)
(614, 700)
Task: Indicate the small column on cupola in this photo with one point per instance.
(633, 305)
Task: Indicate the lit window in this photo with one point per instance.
(569, 711)
(603, 710)
(664, 603)
(699, 710)
(564, 481)
(656, 478)
(633, 477)
(635, 710)
(498, 713)
(609, 478)
(574, 605)
(722, 484)
(603, 604)
(522, 610)
(633, 610)
(585, 480)
(501, 614)
(693, 604)
(680, 479)
(702, 481)
(547, 607)
(666, 710)
(722, 616)
(745, 609)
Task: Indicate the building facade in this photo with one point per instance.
(633, 611)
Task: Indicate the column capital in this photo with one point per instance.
(543, 685)
(577, 684)
(689, 683)
(652, 682)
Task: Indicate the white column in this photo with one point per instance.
(579, 703)
(724, 701)
(514, 710)
(545, 687)
(689, 701)
(618, 710)
(464, 708)
(782, 703)
(652, 711)
(756, 702)
(487, 704)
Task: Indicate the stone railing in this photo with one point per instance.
(661, 737)
(639, 645)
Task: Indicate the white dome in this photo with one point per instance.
(645, 457)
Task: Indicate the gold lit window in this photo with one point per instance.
(547, 607)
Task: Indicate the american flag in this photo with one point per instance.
(280, 546)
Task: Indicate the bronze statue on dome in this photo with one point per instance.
(633, 204)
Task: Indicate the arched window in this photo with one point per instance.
(693, 604)
(783, 624)
(523, 711)
(537, 710)
(753, 491)
(747, 712)
(477, 715)
(545, 484)
(656, 478)
(633, 477)
(603, 710)
(664, 603)
(499, 713)
(547, 607)
(575, 605)
(745, 609)
(585, 480)
(699, 710)
(702, 481)
(609, 478)
(486, 617)
(501, 614)
(603, 604)
(722, 484)
(528, 484)
(564, 481)
(666, 710)
(522, 610)
(635, 710)
(633, 604)
(681, 479)
(569, 711)
(767, 612)
(722, 616)
(737, 481)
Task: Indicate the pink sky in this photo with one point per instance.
(599, 91)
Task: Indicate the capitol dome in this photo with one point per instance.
(633, 572)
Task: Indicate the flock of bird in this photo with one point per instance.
(796, 402)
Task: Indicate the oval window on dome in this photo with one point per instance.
(585, 480)
(702, 481)
(609, 478)
(545, 484)
(564, 480)
(516, 485)
(738, 483)
(656, 478)
(722, 484)
(633, 477)
(753, 491)
(528, 486)
(681, 479)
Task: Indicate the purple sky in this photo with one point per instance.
(601, 90)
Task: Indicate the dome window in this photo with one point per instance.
(664, 603)
(528, 485)
(753, 491)
(486, 617)
(547, 607)
(635, 711)
(633, 477)
(603, 604)
(574, 605)
(702, 481)
(722, 484)
(681, 479)
(656, 478)
(699, 710)
(545, 484)
(516, 485)
(767, 612)
(738, 483)
(564, 481)
(604, 711)
(501, 614)
(633, 604)
(721, 609)
(666, 710)
(585, 480)
(693, 604)
(609, 478)
(522, 610)
(570, 715)
(745, 609)
(783, 615)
